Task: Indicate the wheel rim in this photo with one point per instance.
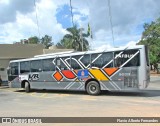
(93, 88)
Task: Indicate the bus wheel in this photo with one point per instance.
(93, 88)
(27, 87)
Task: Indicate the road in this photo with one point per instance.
(144, 103)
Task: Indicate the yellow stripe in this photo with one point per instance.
(98, 74)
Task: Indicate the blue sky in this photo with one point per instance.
(63, 16)
(18, 22)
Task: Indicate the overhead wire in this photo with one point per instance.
(71, 13)
(110, 17)
(37, 18)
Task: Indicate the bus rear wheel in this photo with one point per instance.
(27, 87)
(93, 88)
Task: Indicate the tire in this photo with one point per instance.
(27, 87)
(93, 88)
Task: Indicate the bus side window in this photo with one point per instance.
(103, 60)
(74, 63)
(24, 67)
(107, 57)
(61, 64)
(93, 60)
(36, 65)
(127, 59)
(48, 65)
(135, 61)
(86, 60)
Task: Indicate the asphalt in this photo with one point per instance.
(46, 103)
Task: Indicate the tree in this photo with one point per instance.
(33, 40)
(47, 41)
(151, 37)
(74, 39)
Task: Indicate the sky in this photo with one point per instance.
(18, 20)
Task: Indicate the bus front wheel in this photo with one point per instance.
(93, 88)
(27, 87)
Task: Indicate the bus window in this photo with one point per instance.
(36, 65)
(14, 68)
(60, 62)
(103, 60)
(93, 59)
(86, 60)
(48, 65)
(24, 67)
(124, 58)
(74, 62)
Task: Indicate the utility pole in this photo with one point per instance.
(81, 37)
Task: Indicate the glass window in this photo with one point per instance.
(48, 65)
(60, 62)
(103, 60)
(14, 68)
(25, 67)
(86, 60)
(2, 69)
(74, 64)
(36, 66)
(124, 58)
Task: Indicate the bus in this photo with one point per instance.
(116, 69)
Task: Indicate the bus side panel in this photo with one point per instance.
(14, 82)
(124, 79)
(64, 86)
(48, 80)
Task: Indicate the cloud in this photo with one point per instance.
(18, 19)
(128, 17)
(25, 23)
(9, 9)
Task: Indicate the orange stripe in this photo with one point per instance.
(58, 76)
(110, 71)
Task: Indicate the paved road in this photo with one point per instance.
(15, 102)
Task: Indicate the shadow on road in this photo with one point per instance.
(140, 93)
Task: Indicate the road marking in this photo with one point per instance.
(89, 98)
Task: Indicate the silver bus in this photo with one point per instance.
(116, 69)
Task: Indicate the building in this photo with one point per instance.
(16, 51)
(21, 51)
(54, 49)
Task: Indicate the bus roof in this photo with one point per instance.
(73, 53)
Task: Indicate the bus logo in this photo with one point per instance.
(82, 74)
(33, 77)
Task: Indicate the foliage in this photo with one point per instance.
(74, 39)
(47, 41)
(151, 37)
(33, 40)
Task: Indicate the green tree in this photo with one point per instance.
(151, 37)
(47, 41)
(33, 40)
(74, 39)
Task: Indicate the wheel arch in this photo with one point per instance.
(92, 79)
(23, 83)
